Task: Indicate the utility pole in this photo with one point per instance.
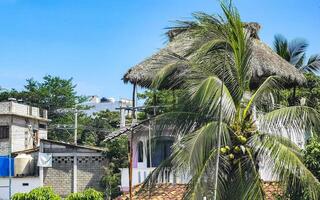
(75, 126)
(10, 152)
(9, 157)
(75, 157)
(131, 139)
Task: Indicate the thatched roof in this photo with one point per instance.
(265, 61)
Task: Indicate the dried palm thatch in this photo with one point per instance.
(265, 62)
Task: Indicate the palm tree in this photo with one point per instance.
(219, 73)
(294, 52)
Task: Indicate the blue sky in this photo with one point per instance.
(96, 41)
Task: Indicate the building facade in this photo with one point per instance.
(22, 126)
(146, 158)
(69, 168)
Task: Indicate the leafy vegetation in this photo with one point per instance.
(157, 102)
(41, 193)
(117, 153)
(88, 194)
(46, 193)
(54, 94)
(312, 156)
(295, 53)
(246, 137)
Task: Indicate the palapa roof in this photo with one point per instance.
(265, 61)
(168, 191)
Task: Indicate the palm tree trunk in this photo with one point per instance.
(293, 102)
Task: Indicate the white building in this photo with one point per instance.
(70, 168)
(22, 125)
(21, 128)
(146, 158)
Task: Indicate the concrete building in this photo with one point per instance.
(66, 168)
(145, 157)
(21, 124)
(63, 175)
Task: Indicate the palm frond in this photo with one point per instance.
(244, 181)
(292, 121)
(202, 182)
(179, 122)
(194, 149)
(297, 49)
(205, 97)
(286, 163)
(241, 45)
(313, 64)
(272, 84)
(171, 75)
(280, 46)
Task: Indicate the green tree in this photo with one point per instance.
(295, 53)
(88, 194)
(52, 93)
(41, 193)
(245, 136)
(157, 102)
(117, 153)
(312, 156)
(93, 130)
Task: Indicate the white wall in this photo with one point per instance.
(17, 185)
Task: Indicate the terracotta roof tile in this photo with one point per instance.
(175, 192)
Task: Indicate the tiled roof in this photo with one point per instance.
(176, 191)
(159, 192)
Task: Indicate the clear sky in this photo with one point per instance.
(96, 41)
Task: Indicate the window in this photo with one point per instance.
(42, 126)
(140, 151)
(4, 132)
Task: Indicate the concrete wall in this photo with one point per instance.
(60, 176)
(4, 143)
(21, 135)
(90, 172)
(21, 109)
(25, 184)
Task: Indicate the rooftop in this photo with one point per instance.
(22, 110)
(176, 191)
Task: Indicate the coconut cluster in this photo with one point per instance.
(237, 150)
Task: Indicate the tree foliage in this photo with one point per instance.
(88, 194)
(117, 153)
(157, 102)
(312, 156)
(219, 74)
(52, 93)
(41, 193)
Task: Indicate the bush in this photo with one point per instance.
(41, 193)
(312, 156)
(89, 194)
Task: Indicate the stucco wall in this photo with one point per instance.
(25, 184)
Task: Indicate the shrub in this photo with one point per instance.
(89, 194)
(41, 193)
(312, 156)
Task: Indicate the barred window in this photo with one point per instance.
(4, 132)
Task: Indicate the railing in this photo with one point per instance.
(140, 174)
(21, 109)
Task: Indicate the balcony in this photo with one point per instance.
(13, 108)
(140, 174)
